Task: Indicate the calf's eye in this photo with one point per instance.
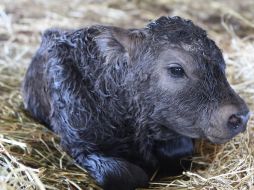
(176, 71)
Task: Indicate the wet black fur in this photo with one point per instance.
(87, 87)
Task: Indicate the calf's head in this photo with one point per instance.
(178, 75)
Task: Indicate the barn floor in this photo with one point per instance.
(30, 156)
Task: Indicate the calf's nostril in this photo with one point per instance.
(235, 121)
(238, 120)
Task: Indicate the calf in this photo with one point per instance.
(125, 101)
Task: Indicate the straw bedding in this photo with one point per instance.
(30, 156)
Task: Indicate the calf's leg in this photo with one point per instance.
(113, 173)
(171, 153)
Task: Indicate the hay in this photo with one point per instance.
(30, 156)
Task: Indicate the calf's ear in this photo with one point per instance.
(118, 43)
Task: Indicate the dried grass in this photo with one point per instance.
(30, 156)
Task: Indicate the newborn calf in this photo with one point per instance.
(126, 101)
